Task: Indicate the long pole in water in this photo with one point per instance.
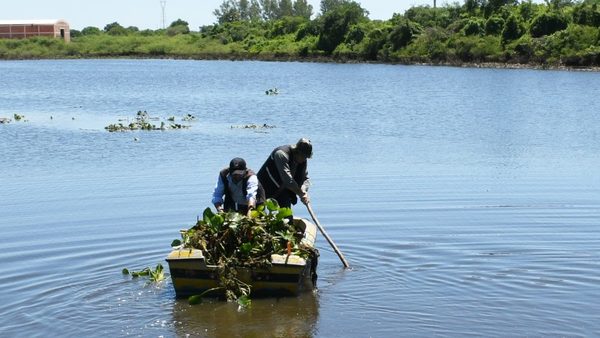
(335, 248)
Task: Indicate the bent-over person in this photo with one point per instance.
(284, 174)
(237, 188)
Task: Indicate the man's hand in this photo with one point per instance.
(305, 198)
(249, 213)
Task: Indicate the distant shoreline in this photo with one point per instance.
(322, 59)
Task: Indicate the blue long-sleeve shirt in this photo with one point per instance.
(236, 190)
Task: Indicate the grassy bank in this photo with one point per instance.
(498, 33)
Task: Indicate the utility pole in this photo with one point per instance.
(163, 4)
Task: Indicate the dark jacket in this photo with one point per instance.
(271, 180)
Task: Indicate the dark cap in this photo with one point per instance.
(237, 166)
(304, 147)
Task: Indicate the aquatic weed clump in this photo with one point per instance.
(231, 240)
(142, 121)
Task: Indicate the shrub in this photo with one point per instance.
(375, 41)
(115, 29)
(547, 23)
(306, 29)
(90, 31)
(586, 15)
(474, 26)
(286, 25)
(355, 35)
(512, 30)
(403, 34)
(494, 25)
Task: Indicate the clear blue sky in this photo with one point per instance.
(148, 13)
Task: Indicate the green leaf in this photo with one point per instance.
(244, 301)
(176, 242)
(246, 248)
(207, 215)
(195, 299)
(125, 271)
(284, 213)
(272, 204)
(157, 275)
(217, 220)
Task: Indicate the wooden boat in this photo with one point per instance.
(287, 275)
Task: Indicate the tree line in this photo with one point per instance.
(553, 33)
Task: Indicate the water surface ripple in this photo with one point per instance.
(466, 200)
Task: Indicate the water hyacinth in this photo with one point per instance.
(230, 240)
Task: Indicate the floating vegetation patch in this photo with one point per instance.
(155, 275)
(231, 240)
(189, 118)
(254, 126)
(272, 91)
(16, 117)
(143, 121)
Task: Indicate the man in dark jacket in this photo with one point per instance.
(284, 175)
(237, 188)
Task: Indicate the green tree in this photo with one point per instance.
(494, 25)
(270, 9)
(286, 8)
(527, 10)
(303, 9)
(115, 29)
(492, 6)
(254, 11)
(89, 30)
(178, 27)
(558, 4)
(244, 9)
(375, 41)
(471, 6)
(475, 26)
(547, 23)
(403, 33)
(328, 5)
(513, 29)
(585, 14)
(75, 33)
(336, 23)
(228, 12)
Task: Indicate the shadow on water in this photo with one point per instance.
(267, 317)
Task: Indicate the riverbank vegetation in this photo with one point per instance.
(556, 33)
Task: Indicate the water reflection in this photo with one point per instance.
(267, 317)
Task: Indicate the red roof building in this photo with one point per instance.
(19, 29)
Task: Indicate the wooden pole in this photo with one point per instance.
(335, 248)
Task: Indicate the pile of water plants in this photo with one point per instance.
(16, 117)
(155, 275)
(272, 91)
(230, 240)
(143, 121)
(254, 126)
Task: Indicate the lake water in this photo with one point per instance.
(467, 201)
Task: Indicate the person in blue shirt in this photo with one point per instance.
(237, 189)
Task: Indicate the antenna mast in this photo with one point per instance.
(163, 4)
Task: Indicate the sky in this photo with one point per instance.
(147, 14)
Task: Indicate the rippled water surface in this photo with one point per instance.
(467, 201)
